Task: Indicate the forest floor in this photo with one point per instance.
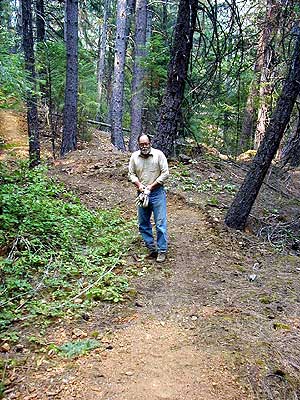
(219, 320)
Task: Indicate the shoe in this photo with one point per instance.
(161, 257)
(152, 254)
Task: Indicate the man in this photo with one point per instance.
(148, 170)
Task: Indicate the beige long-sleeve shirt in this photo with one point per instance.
(148, 170)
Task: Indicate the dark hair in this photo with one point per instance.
(144, 134)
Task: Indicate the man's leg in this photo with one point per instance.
(159, 203)
(145, 227)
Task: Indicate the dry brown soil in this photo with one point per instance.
(198, 328)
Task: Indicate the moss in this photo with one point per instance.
(281, 325)
(239, 267)
(266, 299)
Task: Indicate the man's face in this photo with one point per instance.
(144, 145)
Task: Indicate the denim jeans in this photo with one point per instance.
(157, 205)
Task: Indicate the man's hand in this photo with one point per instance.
(141, 188)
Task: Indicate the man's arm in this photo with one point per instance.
(132, 175)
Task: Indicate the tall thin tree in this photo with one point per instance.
(102, 48)
(69, 140)
(138, 72)
(241, 206)
(31, 98)
(255, 119)
(170, 112)
(40, 20)
(117, 138)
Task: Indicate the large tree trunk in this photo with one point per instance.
(261, 85)
(31, 98)
(240, 208)
(118, 82)
(102, 48)
(170, 111)
(40, 21)
(266, 84)
(69, 140)
(123, 9)
(138, 72)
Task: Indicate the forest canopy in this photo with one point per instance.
(237, 58)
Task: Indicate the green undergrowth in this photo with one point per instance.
(189, 181)
(76, 348)
(56, 256)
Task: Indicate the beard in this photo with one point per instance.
(145, 151)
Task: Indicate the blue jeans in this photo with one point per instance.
(157, 205)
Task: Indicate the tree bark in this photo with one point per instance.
(291, 151)
(138, 72)
(261, 85)
(117, 138)
(31, 98)
(266, 84)
(240, 208)
(40, 21)
(69, 140)
(170, 111)
(102, 48)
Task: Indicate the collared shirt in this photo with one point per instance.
(148, 169)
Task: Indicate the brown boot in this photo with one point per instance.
(152, 254)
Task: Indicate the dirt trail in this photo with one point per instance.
(153, 349)
(195, 330)
(13, 135)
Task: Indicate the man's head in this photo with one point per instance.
(144, 143)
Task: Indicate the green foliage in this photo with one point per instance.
(191, 182)
(156, 67)
(112, 289)
(157, 59)
(53, 248)
(56, 65)
(12, 75)
(76, 348)
(2, 388)
(54, 55)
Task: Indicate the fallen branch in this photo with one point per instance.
(98, 280)
(91, 121)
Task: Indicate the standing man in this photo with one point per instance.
(148, 170)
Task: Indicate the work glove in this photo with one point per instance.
(146, 198)
(139, 200)
(142, 200)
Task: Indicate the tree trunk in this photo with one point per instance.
(261, 85)
(40, 21)
(291, 151)
(69, 140)
(41, 52)
(266, 84)
(170, 111)
(102, 48)
(117, 138)
(31, 98)
(138, 72)
(149, 23)
(240, 208)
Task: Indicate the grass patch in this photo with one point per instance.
(56, 255)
